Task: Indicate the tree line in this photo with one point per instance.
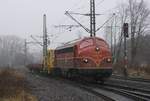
(12, 51)
(137, 14)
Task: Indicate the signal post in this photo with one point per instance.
(125, 31)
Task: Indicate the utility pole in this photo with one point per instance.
(44, 43)
(92, 19)
(114, 58)
(111, 38)
(25, 52)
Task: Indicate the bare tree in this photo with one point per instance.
(136, 13)
(122, 16)
(11, 50)
(139, 15)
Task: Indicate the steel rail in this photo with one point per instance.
(131, 92)
(128, 88)
(84, 86)
(126, 94)
(132, 79)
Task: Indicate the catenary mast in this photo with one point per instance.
(44, 43)
(92, 18)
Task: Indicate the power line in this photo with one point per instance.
(105, 22)
(36, 41)
(92, 16)
(67, 26)
(100, 2)
(76, 5)
(79, 2)
(73, 9)
(69, 15)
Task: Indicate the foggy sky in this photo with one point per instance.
(24, 17)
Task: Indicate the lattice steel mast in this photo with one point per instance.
(92, 18)
(44, 42)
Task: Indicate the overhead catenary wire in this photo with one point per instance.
(100, 2)
(75, 8)
(36, 41)
(81, 8)
(66, 20)
(105, 22)
(68, 14)
(77, 5)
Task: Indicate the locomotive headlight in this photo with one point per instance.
(109, 60)
(86, 60)
(97, 48)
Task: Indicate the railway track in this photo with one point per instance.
(127, 92)
(136, 88)
(110, 92)
(94, 92)
(85, 87)
(74, 84)
(134, 84)
(128, 88)
(131, 79)
(130, 92)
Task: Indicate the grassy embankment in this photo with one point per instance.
(13, 86)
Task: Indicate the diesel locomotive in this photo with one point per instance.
(88, 57)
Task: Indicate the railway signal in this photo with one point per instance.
(125, 30)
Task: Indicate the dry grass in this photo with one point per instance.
(142, 72)
(13, 86)
(20, 97)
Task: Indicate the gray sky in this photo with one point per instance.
(24, 17)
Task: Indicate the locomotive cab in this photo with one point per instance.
(96, 57)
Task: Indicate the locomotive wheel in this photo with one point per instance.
(99, 80)
(31, 70)
(69, 75)
(57, 72)
(102, 82)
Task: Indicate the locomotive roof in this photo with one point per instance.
(73, 43)
(69, 44)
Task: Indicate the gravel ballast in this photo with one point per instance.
(49, 89)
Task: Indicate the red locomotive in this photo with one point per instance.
(90, 57)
